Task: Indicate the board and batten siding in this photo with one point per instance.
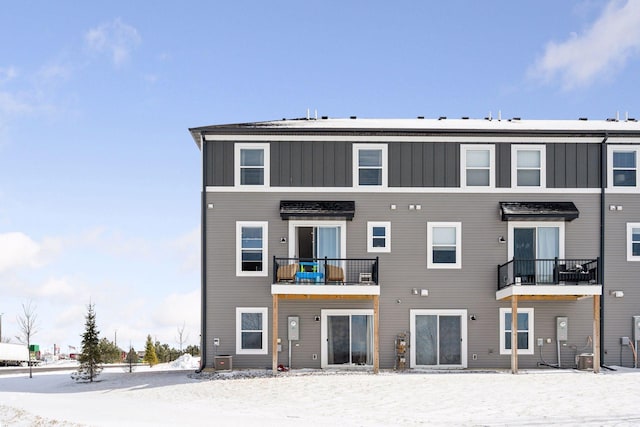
(411, 164)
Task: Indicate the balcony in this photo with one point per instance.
(549, 278)
(325, 276)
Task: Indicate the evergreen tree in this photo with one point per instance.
(150, 356)
(132, 358)
(109, 352)
(89, 358)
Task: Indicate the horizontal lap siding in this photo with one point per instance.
(621, 275)
(471, 288)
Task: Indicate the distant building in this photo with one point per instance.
(410, 243)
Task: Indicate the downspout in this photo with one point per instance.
(603, 176)
(203, 260)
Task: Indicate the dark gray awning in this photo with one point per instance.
(311, 208)
(538, 210)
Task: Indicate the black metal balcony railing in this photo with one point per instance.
(331, 271)
(548, 272)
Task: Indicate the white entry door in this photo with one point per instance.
(438, 339)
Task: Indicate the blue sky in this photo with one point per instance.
(99, 177)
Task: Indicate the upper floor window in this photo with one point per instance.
(633, 241)
(370, 165)
(528, 166)
(477, 166)
(252, 165)
(378, 236)
(444, 248)
(623, 167)
(251, 248)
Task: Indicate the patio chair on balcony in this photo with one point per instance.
(287, 273)
(334, 273)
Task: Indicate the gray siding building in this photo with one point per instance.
(416, 244)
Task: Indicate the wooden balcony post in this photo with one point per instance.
(274, 339)
(376, 331)
(596, 334)
(514, 334)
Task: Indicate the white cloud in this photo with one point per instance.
(188, 245)
(115, 38)
(8, 73)
(55, 288)
(177, 309)
(18, 250)
(598, 52)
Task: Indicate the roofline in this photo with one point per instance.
(424, 127)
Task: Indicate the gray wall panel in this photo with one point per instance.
(620, 274)
(503, 165)
(570, 166)
(471, 288)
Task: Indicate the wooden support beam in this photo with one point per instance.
(596, 334)
(274, 339)
(376, 332)
(514, 334)
(325, 297)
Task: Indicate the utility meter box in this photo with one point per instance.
(293, 327)
(562, 328)
(636, 328)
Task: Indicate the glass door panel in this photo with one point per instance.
(438, 340)
(450, 343)
(338, 340)
(350, 340)
(426, 340)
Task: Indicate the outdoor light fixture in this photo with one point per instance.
(501, 239)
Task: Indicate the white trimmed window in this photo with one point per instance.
(528, 166)
(525, 331)
(251, 161)
(477, 166)
(378, 236)
(370, 165)
(251, 248)
(252, 330)
(622, 172)
(444, 245)
(633, 241)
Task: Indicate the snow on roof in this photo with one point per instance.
(446, 124)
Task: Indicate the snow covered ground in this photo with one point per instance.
(172, 395)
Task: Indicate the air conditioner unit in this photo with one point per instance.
(223, 363)
(366, 278)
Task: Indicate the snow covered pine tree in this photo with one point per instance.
(89, 358)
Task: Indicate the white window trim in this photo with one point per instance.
(503, 349)
(628, 148)
(265, 246)
(535, 224)
(426, 312)
(387, 236)
(324, 332)
(265, 330)
(356, 164)
(514, 165)
(458, 227)
(236, 160)
(463, 164)
(630, 227)
(292, 234)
